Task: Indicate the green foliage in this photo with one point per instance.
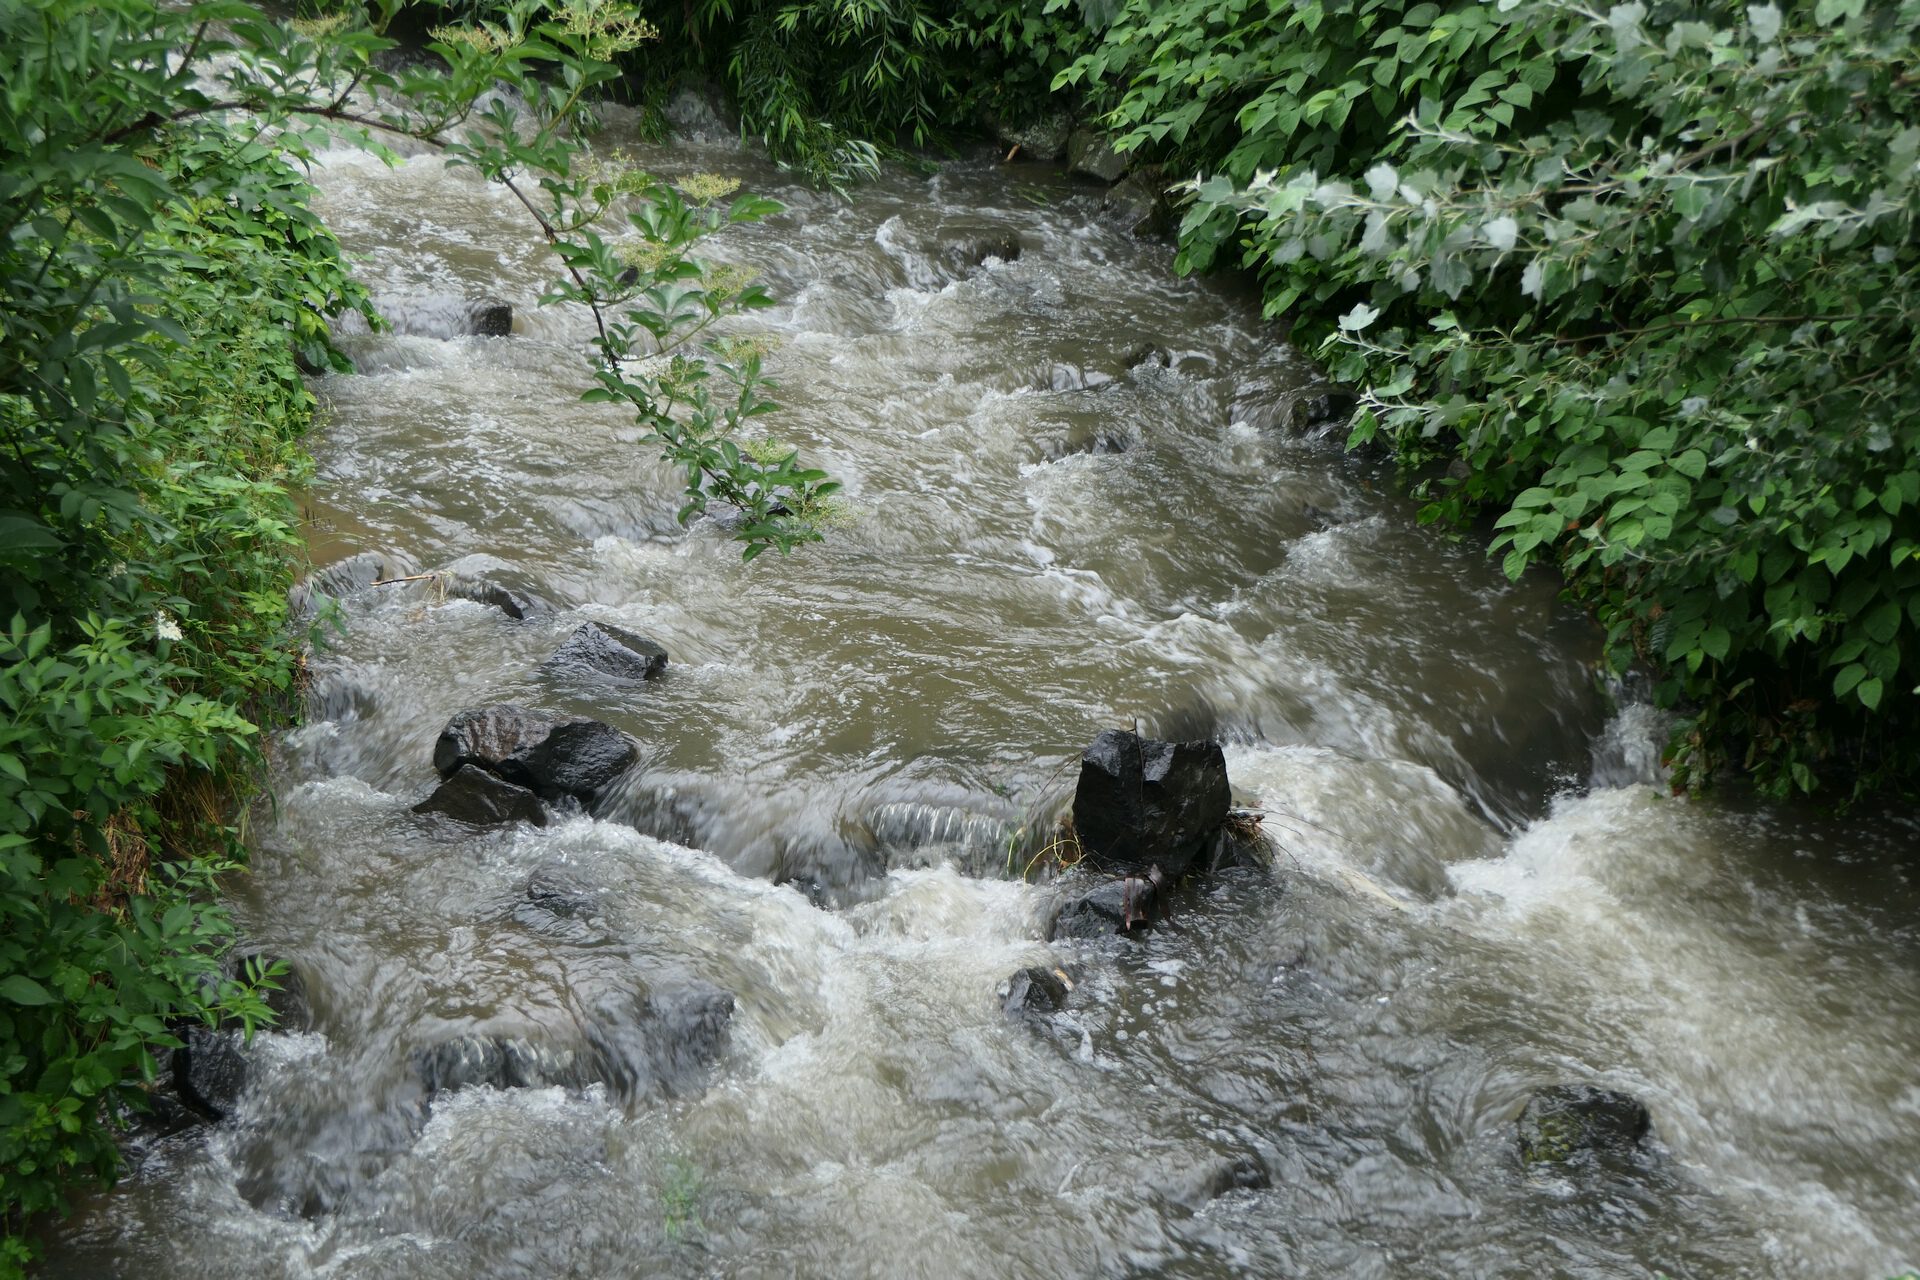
(833, 86)
(1239, 87)
(156, 300)
(650, 296)
(1650, 275)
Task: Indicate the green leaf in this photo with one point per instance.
(20, 989)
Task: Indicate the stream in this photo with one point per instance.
(1083, 497)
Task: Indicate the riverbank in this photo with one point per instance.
(160, 301)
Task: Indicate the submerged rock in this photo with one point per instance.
(344, 578)
(503, 1062)
(1564, 1121)
(962, 255)
(551, 755)
(210, 1070)
(482, 799)
(561, 905)
(1193, 1189)
(436, 315)
(660, 1042)
(1034, 992)
(516, 604)
(664, 1042)
(1117, 906)
(598, 649)
(1142, 803)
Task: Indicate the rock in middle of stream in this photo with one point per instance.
(1143, 803)
(550, 755)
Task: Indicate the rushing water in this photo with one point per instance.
(1479, 888)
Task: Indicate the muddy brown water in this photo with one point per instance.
(1480, 886)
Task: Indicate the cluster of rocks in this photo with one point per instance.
(497, 764)
(507, 763)
(1135, 196)
(1148, 814)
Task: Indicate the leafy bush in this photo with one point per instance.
(1644, 272)
(155, 302)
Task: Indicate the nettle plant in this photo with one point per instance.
(1653, 277)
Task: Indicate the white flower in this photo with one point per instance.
(165, 627)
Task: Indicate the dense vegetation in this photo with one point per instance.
(1641, 273)
(1649, 274)
(157, 297)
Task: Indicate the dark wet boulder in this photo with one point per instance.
(1138, 204)
(1565, 1121)
(596, 649)
(210, 1070)
(1144, 803)
(580, 758)
(1042, 139)
(1034, 992)
(1092, 155)
(481, 799)
(702, 112)
(152, 1113)
(490, 318)
(552, 756)
(1114, 907)
(149, 1121)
